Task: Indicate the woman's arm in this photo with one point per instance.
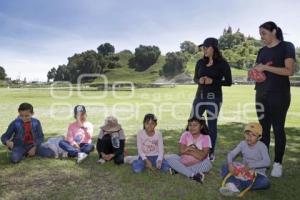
(288, 70)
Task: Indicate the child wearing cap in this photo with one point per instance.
(150, 147)
(194, 146)
(251, 173)
(78, 142)
(111, 142)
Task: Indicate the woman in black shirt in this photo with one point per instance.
(211, 73)
(276, 59)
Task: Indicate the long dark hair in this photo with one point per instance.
(217, 57)
(149, 117)
(201, 120)
(270, 26)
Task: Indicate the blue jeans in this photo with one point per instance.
(212, 107)
(261, 182)
(139, 165)
(18, 152)
(72, 151)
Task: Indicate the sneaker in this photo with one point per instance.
(277, 170)
(130, 159)
(101, 161)
(172, 171)
(229, 190)
(199, 177)
(212, 157)
(81, 156)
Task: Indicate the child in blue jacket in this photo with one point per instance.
(24, 136)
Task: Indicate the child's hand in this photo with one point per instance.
(158, 164)
(110, 156)
(76, 146)
(231, 169)
(32, 151)
(148, 164)
(10, 145)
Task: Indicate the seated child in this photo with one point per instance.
(111, 141)
(251, 173)
(194, 145)
(150, 147)
(79, 137)
(24, 136)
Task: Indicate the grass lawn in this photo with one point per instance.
(37, 178)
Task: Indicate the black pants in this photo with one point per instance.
(104, 145)
(271, 109)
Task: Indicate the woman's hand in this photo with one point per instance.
(260, 67)
(208, 80)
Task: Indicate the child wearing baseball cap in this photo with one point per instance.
(78, 142)
(238, 178)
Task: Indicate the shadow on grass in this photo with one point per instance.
(37, 178)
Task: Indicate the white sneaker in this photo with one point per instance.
(81, 156)
(101, 161)
(130, 159)
(229, 190)
(277, 170)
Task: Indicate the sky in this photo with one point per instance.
(36, 35)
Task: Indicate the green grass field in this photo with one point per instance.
(36, 178)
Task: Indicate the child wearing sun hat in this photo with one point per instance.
(111, 141)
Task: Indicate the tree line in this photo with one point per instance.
(239, 50)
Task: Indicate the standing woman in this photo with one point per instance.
(211, 73)
(276, 59)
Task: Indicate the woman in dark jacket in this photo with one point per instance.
(211, 73)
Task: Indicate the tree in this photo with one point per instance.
(106, 49)
(51, 74)
(175, 63)
(144, 57)
(229, 39)
(62, 73)
(2, 73)
(188, 46)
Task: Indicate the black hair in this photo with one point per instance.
(270, 26)
(149, 117)
(25, 107)
(217, 57)
(201, 120)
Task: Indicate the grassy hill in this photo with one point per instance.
(125, 73)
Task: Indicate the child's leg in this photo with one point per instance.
(174, 162)
(119, 159)
(165, 166)
(86, 148)
(17, 154)
(65, 145)
(104, 146)
(201, 167)
(224, 170)
(44, 151)
(261, 182)
(138, 165)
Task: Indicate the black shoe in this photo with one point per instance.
(199, 177)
